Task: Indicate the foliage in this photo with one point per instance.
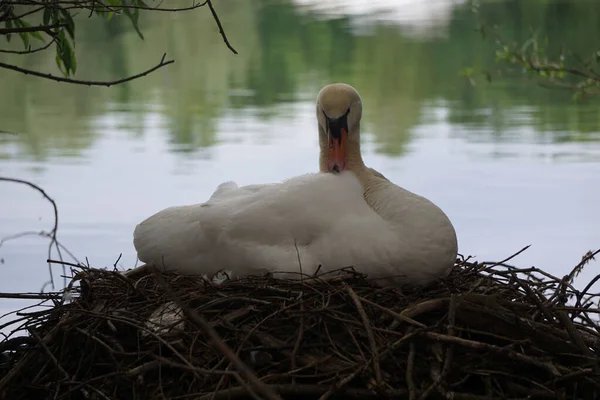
(54, 24)
(538, 58)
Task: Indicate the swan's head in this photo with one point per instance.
(339, 109)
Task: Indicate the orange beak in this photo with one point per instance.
(336, 160)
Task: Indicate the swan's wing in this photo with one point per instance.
(222, 190)
(229, 190)
(248, 228)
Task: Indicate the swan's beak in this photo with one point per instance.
(337, 138)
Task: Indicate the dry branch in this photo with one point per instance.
(53, 239)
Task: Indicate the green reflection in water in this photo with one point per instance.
(285, 55)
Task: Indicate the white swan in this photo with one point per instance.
(352, 218)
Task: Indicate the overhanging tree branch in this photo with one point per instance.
(85, 82)
(221, 31)
(29, 50)
(15, 17)
(96, 5)
(562, 70)
(28, 29)
(57, 21)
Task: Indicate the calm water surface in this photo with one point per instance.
(512, 164)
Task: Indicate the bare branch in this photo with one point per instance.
(221, 31)
(26, 29)
(30, 12)
(29, 50)
(84, 82)
(53, 241)
(96, 5)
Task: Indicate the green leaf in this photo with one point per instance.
(68, 19)
(467, 71)
(25, 38)
(8, 25)
(134, 17)
(73, 62)
(36, 35)
(23, 35)
(59, 64)
(47, 16)
(65, 54)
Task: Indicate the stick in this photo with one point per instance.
(499, 350)
(367, 324)
(410, 382)
(222, 346)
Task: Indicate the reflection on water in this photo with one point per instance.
(511, 163)
(419, 19)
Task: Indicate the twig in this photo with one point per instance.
(584, 260)
(25, 71)
(534, 297)
(53, 233)
(23, 362)
(486, 265)
(27, 29)
(420, 308)
(117, 8)
(52, 357)
(449, 351)
(64, 263)
(398, 316)
(222, 346)
(299, 338)
(221, 30)
(499, 350)
(341, 383)
(576, 338)
(29, 51)
(410, 363)
(367, 324)
(296, 391)
(31, 296)
(117, 260)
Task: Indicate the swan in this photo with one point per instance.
(346, 215)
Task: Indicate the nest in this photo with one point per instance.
(487, 331)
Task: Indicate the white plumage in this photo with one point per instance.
(356, 218)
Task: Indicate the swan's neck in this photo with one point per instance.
(373, 185)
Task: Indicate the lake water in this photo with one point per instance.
(511, 163)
